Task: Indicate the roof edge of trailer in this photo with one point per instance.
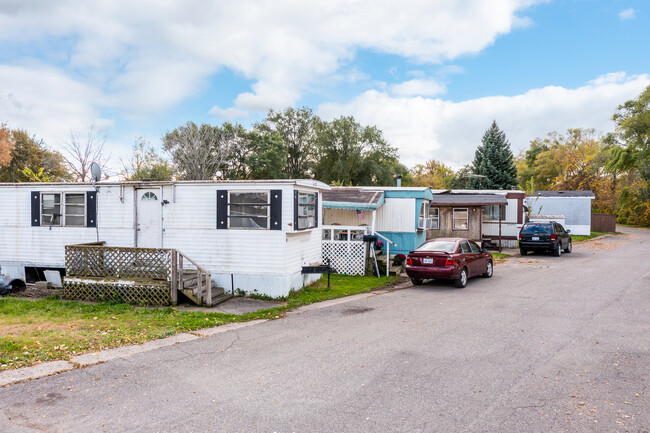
(300, 182)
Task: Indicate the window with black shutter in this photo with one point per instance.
(69, 209)
(256, 210)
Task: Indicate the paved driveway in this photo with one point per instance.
(547, 345)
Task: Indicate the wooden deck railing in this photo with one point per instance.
(203, 277)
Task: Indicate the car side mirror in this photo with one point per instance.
(568, 231)
(484, 250)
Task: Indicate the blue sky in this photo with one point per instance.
(431, 74)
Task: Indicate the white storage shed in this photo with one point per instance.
(574, 205)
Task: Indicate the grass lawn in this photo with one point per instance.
(52, 329)
(580, 238)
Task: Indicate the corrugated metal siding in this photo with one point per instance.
(576, 210)
(397, 215)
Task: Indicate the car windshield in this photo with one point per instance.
(443, 246)
(537, 228)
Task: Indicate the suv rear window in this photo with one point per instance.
(537, 228)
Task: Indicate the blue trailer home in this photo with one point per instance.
(399, 214)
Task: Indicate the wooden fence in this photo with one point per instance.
(603, 222)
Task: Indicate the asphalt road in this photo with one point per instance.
(546, 345)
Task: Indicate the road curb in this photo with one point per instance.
(34, 372)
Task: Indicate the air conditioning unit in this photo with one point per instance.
(424, 223)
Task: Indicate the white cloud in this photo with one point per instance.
(228, 113)
(149, 55)
(425, 128)
(418, 87)
(627, 14)
(42, 99)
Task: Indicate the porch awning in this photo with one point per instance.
(456, 199)
(352, 198)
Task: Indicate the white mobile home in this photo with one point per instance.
(250, 235)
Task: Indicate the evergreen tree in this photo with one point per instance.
(493, 159)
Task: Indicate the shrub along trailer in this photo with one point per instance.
(251, 236)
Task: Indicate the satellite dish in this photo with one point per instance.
(219, 174)
(96, 172)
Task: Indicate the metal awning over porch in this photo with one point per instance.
(352, 198)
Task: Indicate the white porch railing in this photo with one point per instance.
(344, 249)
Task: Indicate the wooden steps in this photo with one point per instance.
(393, 270)
(196, 295)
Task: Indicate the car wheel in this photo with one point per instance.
(489, 270)
(416, 281)
(523, 251)
(569, 248)
(557, 252)
(461, 281)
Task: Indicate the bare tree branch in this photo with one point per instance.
(79, 153)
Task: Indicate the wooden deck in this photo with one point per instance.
(152, 276)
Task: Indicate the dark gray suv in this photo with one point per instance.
(549, 236)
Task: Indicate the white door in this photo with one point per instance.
(148, 211)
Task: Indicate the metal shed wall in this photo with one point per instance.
(576, 210)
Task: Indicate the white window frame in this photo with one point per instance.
(435, 221)
(460, 209)
(63, 209)
(267, 205)
(308, 193)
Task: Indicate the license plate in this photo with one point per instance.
(535, 238)
(427, 261)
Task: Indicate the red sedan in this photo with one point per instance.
(450, 259)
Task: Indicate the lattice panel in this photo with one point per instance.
(347, 258)
(118, 262)
(84, 290)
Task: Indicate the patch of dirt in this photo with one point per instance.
(33, 293)
(33, 328)
(596, 245)
(356, 310)
(531, 261)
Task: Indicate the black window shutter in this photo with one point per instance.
(295, 210)
(36, 208)
(316, 211)
(91, 208)
(276, 209)
(222, 209)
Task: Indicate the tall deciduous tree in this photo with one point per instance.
(350, 153)
(31, 153)
(79, 152)
(6, 145)
(296, 129)
(146, 164)
(197, 152)
(493, 159)
(631, 155)
(434, 174)
(266, 158)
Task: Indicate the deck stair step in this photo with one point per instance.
(395, 270)
(216, 300)
(218, 296)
